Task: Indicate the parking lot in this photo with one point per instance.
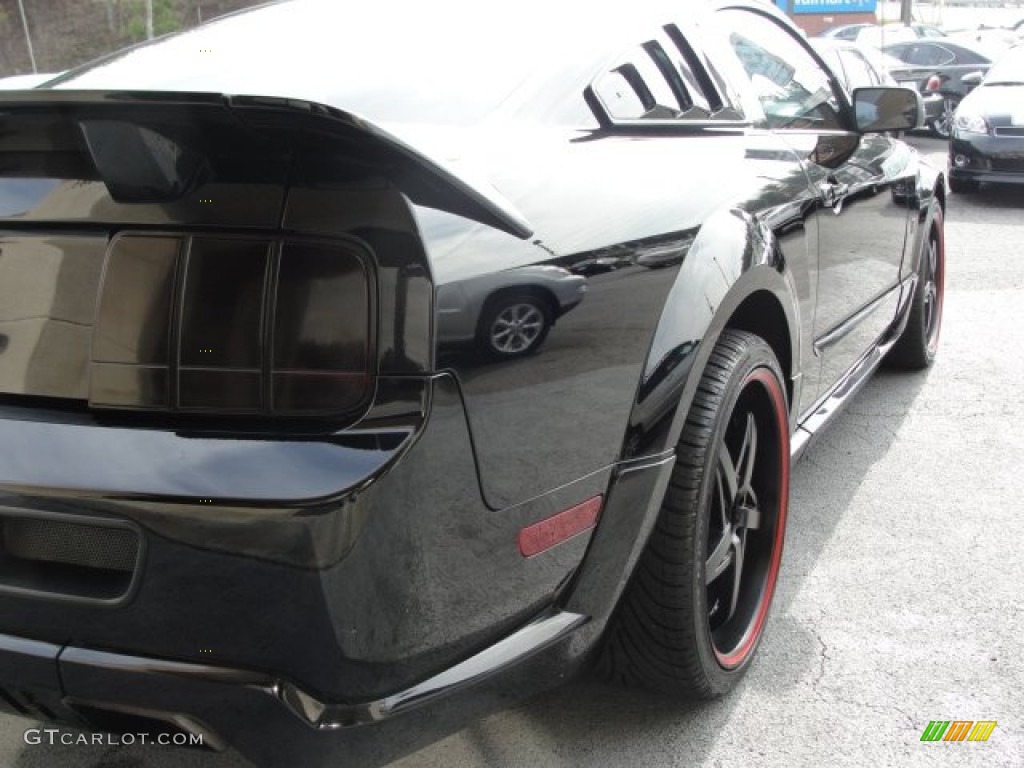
(900, 597)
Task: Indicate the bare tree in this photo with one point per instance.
(28, 36)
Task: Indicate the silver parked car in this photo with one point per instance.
(509, 313)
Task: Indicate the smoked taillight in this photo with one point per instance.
(233, 325)
(313, 365)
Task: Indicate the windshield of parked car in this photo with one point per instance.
(1009, 70)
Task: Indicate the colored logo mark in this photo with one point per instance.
(958, 730)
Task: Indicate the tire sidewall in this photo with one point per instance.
(756, 358)
(936, 228)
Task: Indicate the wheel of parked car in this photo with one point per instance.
(515, 325)
(942, 125)
(919, 342)
(963, 186)
(692, 616)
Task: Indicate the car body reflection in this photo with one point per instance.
(506, 314)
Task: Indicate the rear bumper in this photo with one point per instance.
(354, 564)
(275, 625)
(217, 706)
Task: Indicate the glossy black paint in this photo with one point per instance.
(354, 557)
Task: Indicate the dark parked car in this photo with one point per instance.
(244, 498)
(988, 129)
(938, 68)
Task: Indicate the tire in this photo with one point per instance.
(919, 341)
(962, 186)
(514, 325)
(942, 125)
(678, 628)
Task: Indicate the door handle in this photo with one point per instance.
(833, 193)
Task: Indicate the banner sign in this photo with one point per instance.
(828, 6)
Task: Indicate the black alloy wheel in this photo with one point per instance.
(694, 612)
(919, 343)
(942, 125)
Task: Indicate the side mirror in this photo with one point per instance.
(887, 109)
(972, 79)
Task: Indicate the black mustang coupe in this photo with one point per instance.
(247, 498)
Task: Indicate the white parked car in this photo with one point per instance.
(19, 82)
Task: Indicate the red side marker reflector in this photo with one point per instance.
(537, 538)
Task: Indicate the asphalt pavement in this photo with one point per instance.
(899, 601)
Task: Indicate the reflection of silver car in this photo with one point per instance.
(857, 66)
(508, 313)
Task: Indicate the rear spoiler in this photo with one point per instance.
(158, 147)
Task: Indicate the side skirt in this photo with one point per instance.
(830, 405)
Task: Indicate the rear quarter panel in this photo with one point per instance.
(541, 421)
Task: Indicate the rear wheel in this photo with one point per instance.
(693, 614)
(919, 342)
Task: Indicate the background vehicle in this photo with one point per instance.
(879, 36)
(242, 491)
(507, 314)
(875, 34)
(24, 81)
(858, 66)
(988, 129)
(938, 67)
(992, 41)
(845, 31)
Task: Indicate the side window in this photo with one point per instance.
(964, 56)
(636, 89)
(928, 55)
(698, 77)
(698, 100)
(794, 91)
(901, 52)
(623, 94)
(661, 79)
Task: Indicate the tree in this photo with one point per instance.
(28, 35)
